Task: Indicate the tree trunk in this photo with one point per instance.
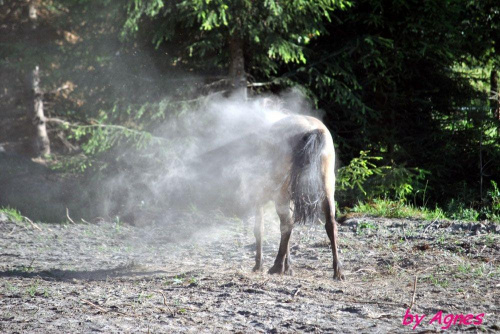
(42, 142)
(41, 138)
(33, 14)
(32, 10)
(495, 95)
(237, 65)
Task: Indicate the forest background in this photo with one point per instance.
(408, 89)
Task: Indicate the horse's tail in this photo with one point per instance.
(306, 183)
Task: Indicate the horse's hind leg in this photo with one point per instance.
(329, 209)
(257, 231)
(288, 261)
(332, 231)
(282, 264)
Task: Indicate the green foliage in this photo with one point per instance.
(490, 209)
(458, 210)
(96, 140)
(357, 172)
(465, 214)
(441, 282)
(102, 137)
(271, 31)
(402, 209)
(494, 199)
(12, 213)
(397, 182)
(362, 179)
(32, 289)
(74, 164)
(103, 140)
(396, 209)
(388, 79)
(362, 227)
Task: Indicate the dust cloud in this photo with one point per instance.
(207, 159)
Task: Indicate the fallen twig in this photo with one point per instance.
(404, 233)
(425, 270)
(32, 224)
(165, 301)
(102, 309)
(414, 291)
(10, 233)
(366, 269)
(374, 302)
(427, 227)
(96, 306)
(69, 218)
(164, 297)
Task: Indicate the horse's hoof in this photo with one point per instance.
(338, 276)
(275, 270)
(257, 268)
(289, 272)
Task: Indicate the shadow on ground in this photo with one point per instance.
(89, 275)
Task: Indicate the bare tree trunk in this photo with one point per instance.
(42, 142)
(237, 65)
(32, 10)
(495, 95)
(33, 14)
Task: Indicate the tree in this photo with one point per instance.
(484, 29)
(253, 37)
(42, 142)
(388, 80)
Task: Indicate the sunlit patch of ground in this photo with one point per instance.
(193, 274)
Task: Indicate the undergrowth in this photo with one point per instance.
(397, 209)
(367, 186)
(13, 214)
(401, 209)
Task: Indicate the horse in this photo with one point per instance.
(290, 162)
(301, 182)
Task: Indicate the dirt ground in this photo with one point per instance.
(192, 274)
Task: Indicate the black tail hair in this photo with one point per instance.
(306, 184)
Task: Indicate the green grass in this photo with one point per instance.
(32, 289)
(465, 268)
(436, 281)
(13, 214)
(397, 209)
(401, 209)
(365, 226)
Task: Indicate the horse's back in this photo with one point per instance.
(289, 130)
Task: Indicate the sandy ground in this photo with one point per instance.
(192, 274)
